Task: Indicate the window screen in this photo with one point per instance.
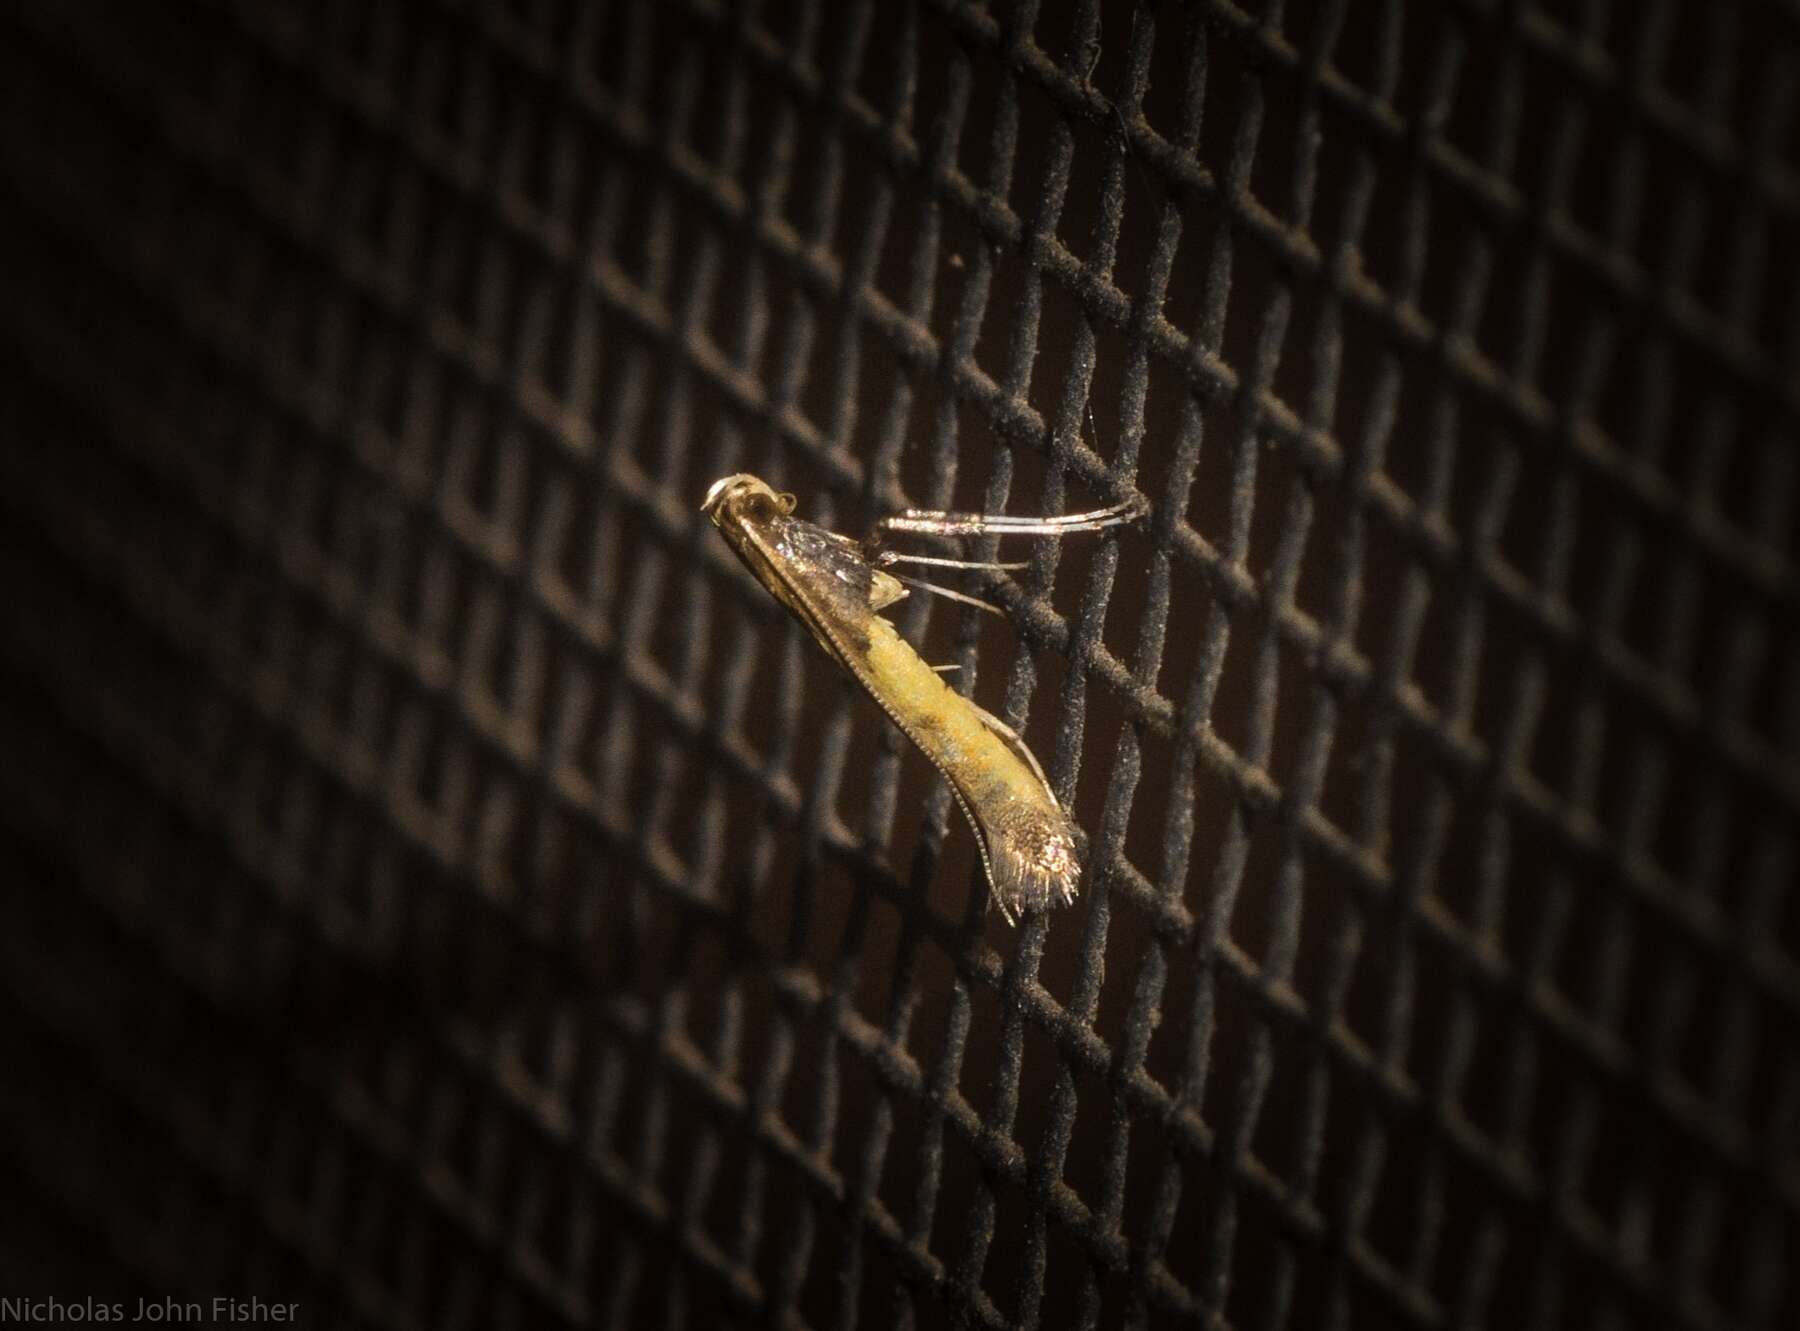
(449, 893)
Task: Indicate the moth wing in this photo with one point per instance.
(820, 576)
(1031, 854)
(1010, 737)
(884, 590)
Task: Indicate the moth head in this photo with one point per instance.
(743, 493)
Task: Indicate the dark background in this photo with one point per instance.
(445, 891)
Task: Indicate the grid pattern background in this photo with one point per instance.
(449, 894)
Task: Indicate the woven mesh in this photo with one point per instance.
(449, 893)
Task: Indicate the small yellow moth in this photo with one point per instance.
(837, 587)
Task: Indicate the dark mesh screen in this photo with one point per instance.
(448, 893)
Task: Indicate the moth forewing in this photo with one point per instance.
(819, 576)
(1027, 843)
(829, 582)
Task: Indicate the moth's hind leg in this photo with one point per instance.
(943, 522)
(888, 558)
(951, 594)
(935, 522)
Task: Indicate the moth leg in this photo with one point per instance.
(945, 670)
(933, 522)
(949, 594)
(885, 558)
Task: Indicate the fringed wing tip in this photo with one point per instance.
(1032, 861)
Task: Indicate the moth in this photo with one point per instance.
(837, 587)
